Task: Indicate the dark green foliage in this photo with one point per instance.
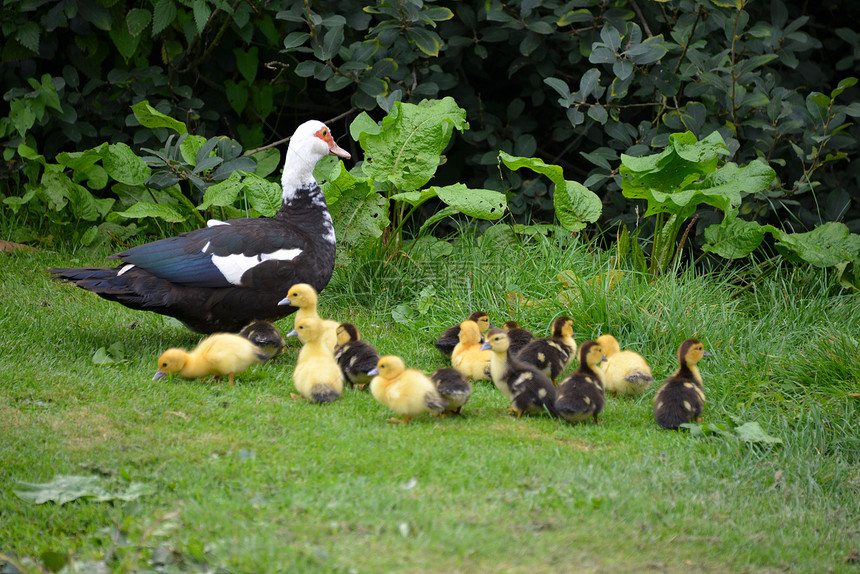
(576, 84)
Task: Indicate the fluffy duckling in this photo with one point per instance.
(216, 355)
(305, 299)
(265, 335)
(626, 372)
(529, 390)
(454, 388)
(451, 336)
(554, 354)
(355, 357)
(681, 399)
(317, 376)
(407, 392)
(580, 395)
(467, 357)
(519, 337)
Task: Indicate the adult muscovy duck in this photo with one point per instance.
(222, 277)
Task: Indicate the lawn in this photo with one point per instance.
(249, 479)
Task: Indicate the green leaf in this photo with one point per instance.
(360, 214)
(734, 238)
(190, 146)
(27, 35)
(405, 149)
(149, 117)
(295, 39)
(22, 115)
(222, 193)
(262, 194)
(237, 95)
(137, 20)
(268, 160)
(125, 43)
(575, 205)
(478, 203)
(123, 165)
(425, 40)
(202, 12)
(48, 93)
(825, 246)
(247, 63)
(66, 488)
(148, 209)
(164, 12)
(752, 432)
(415, 198)
(114, 354)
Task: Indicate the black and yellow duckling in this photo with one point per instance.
(627, 372)
(580, 395)
(451, 336)
(265, 335)
(554, 354)
(355, 357)
(468, 357)
(519, 337)
(529, 390)
(681, 399)
(305, 299)
(317, 376)
(407, 392)
(216, 355)
(454, 388)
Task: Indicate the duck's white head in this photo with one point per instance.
(311, 142)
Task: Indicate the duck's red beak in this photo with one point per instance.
(333, 149)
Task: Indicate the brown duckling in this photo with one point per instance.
(529, 390)
(454, 388)
(265, 335)
(580, 395)
(554, 354)
(355, 357)
(451, 336)
(681, 399)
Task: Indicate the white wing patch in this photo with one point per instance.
(215, 222)
(232, 267)
(124, 269)
(206, 247)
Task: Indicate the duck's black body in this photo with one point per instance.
(681, 399)
(232, 272)
(581, 395)
(220, 278)
(265, 335)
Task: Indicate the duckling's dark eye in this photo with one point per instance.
(164, 364)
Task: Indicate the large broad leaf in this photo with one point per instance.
(262, 194)
(479, 203)
(149, 117)
(66, 488)
(359, 213)
(123, 165)
(148, 209)
(825, 246)
(575, 204)
(222, 193)
(405, 148)
(734, 238)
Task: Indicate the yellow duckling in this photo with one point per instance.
(627, 372)
(407, 392)
(265, 335)
(681, 399)
(216, 355)
(454, 388)
(451, 336)
(355, 357)
(305, 299)
(317, 376)
(554, 354)
(468, 357)
(581, 396)
(529, 390)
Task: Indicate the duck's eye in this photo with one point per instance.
(164, 364)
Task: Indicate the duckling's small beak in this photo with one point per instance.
(486, 347)
(373, 372)
(706, 354)
(293, 333)
(285, 301)
(603, 358)
(159, 374)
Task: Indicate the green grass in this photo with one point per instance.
(248, 479)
